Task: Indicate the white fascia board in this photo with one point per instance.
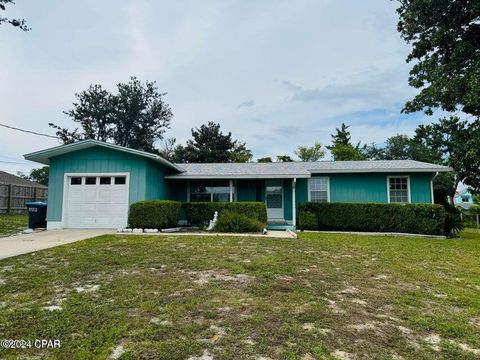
(43, 156)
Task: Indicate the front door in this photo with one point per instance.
(274, 199)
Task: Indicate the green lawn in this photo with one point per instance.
(12, 224)
(319, 297)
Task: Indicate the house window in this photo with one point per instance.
(90, 181)
(105, 180)
(211, 191)
(318, 189)
(399, 189)
(120, 180)
(76, 181)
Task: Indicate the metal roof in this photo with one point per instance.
(301, 169)
(43, 156)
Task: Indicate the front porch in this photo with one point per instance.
(281, 196)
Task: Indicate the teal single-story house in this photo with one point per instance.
(92, 183)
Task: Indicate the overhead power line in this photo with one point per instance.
(28, 131)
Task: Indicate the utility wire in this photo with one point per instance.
(15, 162)
(28, 131)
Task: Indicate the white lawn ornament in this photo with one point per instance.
(212, 223)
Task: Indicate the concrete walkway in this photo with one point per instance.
(27, 243)
(270, 234)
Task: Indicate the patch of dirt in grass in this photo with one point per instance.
(204, 277)
(117, 352)
(359, 302)
(349, 290)
(53, 308)
(342, 355)
(475, 321)
(205, 356)
(308, 326)
(372, 325)
(87, 288)
(381, 277)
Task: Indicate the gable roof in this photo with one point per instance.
(300, 169)
(43, 156)
(9, 179)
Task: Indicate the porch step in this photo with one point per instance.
(280, 227)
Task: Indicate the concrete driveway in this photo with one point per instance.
(27, 243)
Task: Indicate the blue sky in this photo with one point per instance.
(277, 74)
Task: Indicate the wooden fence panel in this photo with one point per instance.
(14, 197)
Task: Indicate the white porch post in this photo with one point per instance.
(231, 190)
(294, 207)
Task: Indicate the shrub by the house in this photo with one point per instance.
(403, 218)
(200, 213)
(234, 222)
(154, 214)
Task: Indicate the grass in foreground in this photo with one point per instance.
(12, 223)
(322, 296)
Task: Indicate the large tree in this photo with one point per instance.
(39, 175)
(458, 142)
(20, 23)
(210, 145)
(310, 153)
(341, 148)
(445, 39)
(135, 116)
(403, 147)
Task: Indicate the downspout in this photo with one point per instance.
(294, 200)
(431, 187)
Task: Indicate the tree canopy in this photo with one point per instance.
(284, 158)
(39, 175)
(445, 39)
(310, 153)
(210, 145)
(136, 116)
(341, 148)
(19, 23)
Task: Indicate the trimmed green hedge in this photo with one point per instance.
(408, 218)
(234, 222)
(200, 213)
(154, 214)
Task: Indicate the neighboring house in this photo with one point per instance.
(463, 199)
(92, 183)
(9, 179)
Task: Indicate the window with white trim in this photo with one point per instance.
(399, 189)
(212, 191)
(318, 189)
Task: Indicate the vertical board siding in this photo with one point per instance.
(247, 190)
(369, 187)
(420, 188)
(143, 174)
(358, 188)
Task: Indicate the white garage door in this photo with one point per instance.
(96, 201)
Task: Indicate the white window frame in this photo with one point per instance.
(232, 191)
(409, 192)
(328, 187)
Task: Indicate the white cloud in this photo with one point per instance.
(275, 73)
